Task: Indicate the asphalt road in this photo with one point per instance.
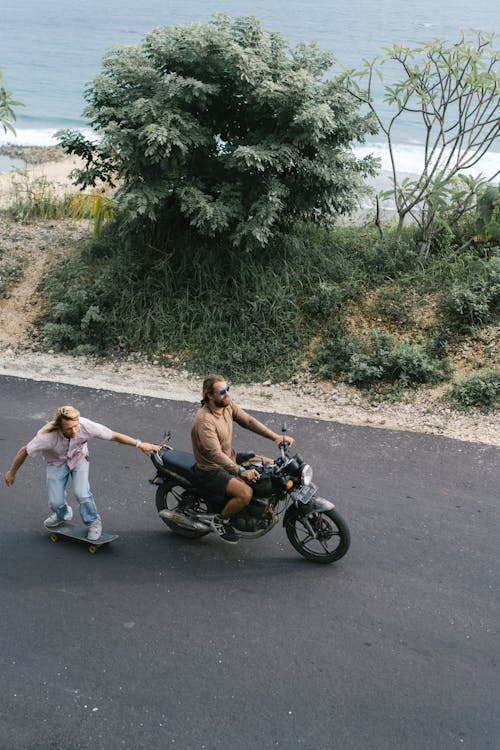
(159, 642)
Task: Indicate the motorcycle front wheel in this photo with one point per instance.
(322, 537)
(168, 498)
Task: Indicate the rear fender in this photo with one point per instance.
(172, 478)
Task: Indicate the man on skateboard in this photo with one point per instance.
(63, 445)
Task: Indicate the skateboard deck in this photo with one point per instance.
(79, 532)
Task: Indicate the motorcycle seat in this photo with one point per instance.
(181, 462)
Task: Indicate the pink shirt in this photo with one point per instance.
(58, 450)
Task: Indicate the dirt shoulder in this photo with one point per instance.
(31, 249)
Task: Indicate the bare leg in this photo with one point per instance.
(240, 495)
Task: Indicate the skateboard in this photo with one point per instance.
(78, 531)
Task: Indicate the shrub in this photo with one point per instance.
(10, 273)
(438, 346)
(378, 358)
(480, 389)
(474, 301)
(328, 299)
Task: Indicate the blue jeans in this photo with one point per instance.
(57, 479)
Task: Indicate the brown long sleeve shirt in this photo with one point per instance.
(212, 436)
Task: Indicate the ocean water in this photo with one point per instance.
(51, 50)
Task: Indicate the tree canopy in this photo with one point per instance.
(224, 129)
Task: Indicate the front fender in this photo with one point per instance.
(316, 505)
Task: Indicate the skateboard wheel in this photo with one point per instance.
(92, 549)
(54, 537)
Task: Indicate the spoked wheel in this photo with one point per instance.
(170, 498)
(321, 537)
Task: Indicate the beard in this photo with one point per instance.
(221, 401)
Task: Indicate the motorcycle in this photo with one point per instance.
(312, 524)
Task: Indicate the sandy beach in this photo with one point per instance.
(55, 172)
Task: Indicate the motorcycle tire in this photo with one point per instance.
(166, 500)
(330, 527)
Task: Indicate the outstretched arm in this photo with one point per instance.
(20, 458)
(127, 440)
(250, 423)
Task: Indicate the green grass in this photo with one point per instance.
(34, 199)
(261, 316)
(40, 199)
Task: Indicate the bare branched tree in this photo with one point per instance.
(453, 92)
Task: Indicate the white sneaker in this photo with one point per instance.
(53, 520)
(95, 531)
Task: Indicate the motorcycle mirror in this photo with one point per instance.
(166, 440)
(283, 443)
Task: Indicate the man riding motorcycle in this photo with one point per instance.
(217, 465)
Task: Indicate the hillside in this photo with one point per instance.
(31, 249)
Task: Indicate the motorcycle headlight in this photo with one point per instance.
(306, 475)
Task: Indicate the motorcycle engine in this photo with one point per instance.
(257, 516)
(262, 489)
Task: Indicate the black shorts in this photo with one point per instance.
(213, 482)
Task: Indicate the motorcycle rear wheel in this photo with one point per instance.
(167, 500)
(332, 538)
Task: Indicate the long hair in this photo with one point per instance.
(63, 412)
(208, 386)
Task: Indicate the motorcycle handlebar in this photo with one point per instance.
(283, 446)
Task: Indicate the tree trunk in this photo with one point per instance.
(399, 230)
(378, 222)
(425, 247)
(428, 219)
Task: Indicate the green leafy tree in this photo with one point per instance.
(223, 129)
(453, 91)
(7, 103)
